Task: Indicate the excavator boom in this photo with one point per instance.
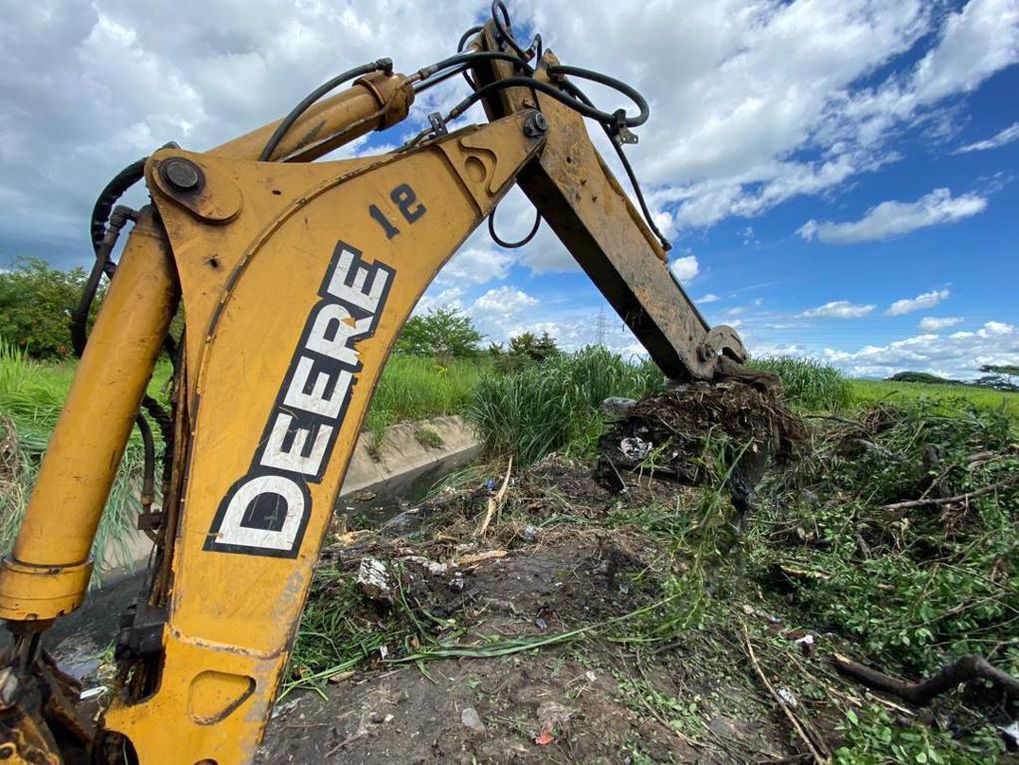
(295, 278)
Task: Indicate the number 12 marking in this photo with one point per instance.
(405, 199)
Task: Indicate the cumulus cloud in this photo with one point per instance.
(711, 297)
(893, 218)
(1009, 134)
(476, 265)
(838, 309)
(502, 301)
(935, 323)
(777, 99)
(686, 268)
(960, 354)
(918, 303)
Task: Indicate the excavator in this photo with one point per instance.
(294, 278)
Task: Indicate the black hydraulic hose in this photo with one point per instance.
(467, 35)
(512, 245)
(603, 79)
(383, 64)
(108, 197)
(559, 95)
(148, 492)
(624, 160)
(503, 27)
(470, 57)
(437, 79)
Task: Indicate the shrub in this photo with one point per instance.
(444, 332)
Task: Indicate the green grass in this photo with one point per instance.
(416, 387)
(874, 391)
(809, 384)
(555, 405)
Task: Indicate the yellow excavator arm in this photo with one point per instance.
(294, 278)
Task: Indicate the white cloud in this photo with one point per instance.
(894, 218)
(686, 268)
(443, 298)
(838, 309)
(777, 99)
(960, 354)
(1009, 134)
(475, 265)
(711, 297)
(502, 301)
(920, 302)
(935, 323)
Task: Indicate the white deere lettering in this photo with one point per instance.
(284, 498)
(265, 513)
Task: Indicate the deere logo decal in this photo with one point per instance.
(266, 511)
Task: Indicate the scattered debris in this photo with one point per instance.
(374, 580)
(470, 718)
(551, 717)
(666, 435)
(495, 502)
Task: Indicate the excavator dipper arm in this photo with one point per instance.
(295, 279)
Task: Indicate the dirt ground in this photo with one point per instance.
(588, 699)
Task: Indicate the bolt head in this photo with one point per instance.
(182, 174)
(535, 125)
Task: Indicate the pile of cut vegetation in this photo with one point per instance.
(537, 615)
(676, 434)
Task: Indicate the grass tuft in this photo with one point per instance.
(555, 405)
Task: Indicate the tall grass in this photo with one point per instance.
(810, 384)
(555, 405)
(415, 387)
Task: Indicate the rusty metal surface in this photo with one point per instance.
(577, 194)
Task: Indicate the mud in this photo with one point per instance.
(587, 699)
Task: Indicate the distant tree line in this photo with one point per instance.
(36, 301)
(996, 377)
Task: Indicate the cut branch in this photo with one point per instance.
(819, 756)
(949, 677)
(1005, 483)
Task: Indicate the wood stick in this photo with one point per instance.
(967, 668)
(818, 757)
(958, 498)
(496, 502)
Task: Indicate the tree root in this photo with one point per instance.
(967, 668)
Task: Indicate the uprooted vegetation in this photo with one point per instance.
(648, 625)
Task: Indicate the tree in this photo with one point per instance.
(443, 332)
(35, 305)
(535, 348)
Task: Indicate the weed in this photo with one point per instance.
(428, 437)
(872, 737)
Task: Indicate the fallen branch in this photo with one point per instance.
(818, 757)
(948, 677)
(495, 502)
(1005, 483)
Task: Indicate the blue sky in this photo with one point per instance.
(838, 177)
